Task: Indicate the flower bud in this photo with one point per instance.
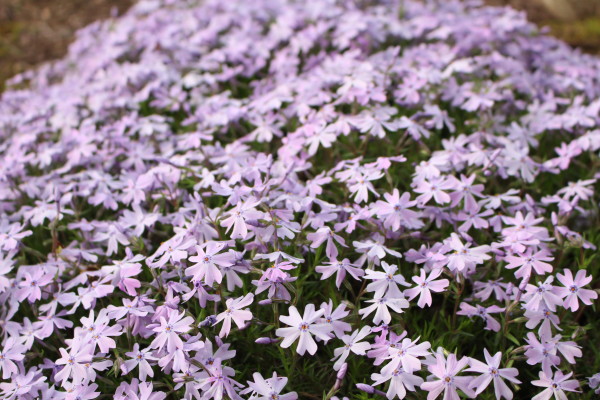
(265, 340)
(342, 372)
(365, 388)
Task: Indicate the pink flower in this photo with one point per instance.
(239, 216)
(385, 283)
(334, 317)
(555, 385)
(395, 211)
(425, 286)
(528, 261)
(169, 331)
(207, 261)
(446, 371)
(435, 188)
(491, 372)
(32, 284)
(268, 389)
(573, 289)
(139, 358)
(12, 351)
(146, 392)
(406, 354)
(463, 256)
(74, 363)
(303, 327)
(325, 233)
(339, 268)
(219, 382)
(234, 312)
(380, 306)
(352, 343)
(541, 296)
(483, 312)
(360, 185)
(400, 381)
(98, 331)
(485, 289)
(122, 272)
(173, 250)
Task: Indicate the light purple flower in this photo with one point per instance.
(302, 328)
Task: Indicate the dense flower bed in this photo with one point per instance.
(276, 199)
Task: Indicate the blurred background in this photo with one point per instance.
(33, 31)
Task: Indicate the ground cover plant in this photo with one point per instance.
(282, 199)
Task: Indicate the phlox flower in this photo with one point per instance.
(11, 235)
(555, 385)
(395, 212)
(219, 383)
(385, 283)
(541, 296)
(234, 312)
(360, 185)
(483, 290)
(445, 377)
(352, 343)
(400, 381)
(334, 317)
(97, 331)
(541, 351)
(339, 268)
(302, 328)
(276, 271)
(406, 354)
(463, 256)
(482, 312)
(208, 260)
(146, 392)
(268, 389)
(277, 289)
(11, 352)
(74, 362)
(21, 384)
(173, 250)
(122, 272)
(326, 234)
(81, 391)
(528, 261)
(380, 306)
(425, 285)
(434, 187)
(548, 319)
(491, 372)
(573, 289)
(139, 358)
(32, 284)
(170, 329)
(238, 217)
(373, 250)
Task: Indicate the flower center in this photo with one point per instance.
(573, 289)
(303, 326)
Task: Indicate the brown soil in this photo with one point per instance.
(33, 31)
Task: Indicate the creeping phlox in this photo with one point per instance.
(281, 199)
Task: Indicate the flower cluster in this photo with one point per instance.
(276, 199)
